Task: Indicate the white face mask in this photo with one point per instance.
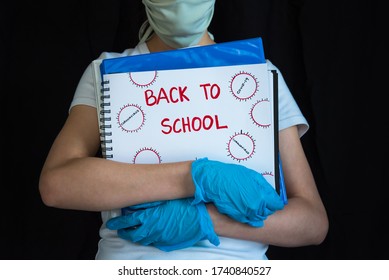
(179, 23)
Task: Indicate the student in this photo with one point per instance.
(74, 178)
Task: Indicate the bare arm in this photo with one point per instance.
(73, 178)
(302, 222)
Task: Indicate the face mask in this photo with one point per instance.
(179, 23)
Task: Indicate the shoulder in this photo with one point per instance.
(141, 48)
(289, 111)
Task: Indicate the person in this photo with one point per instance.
(214, 210)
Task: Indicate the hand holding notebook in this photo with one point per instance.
(237, 191)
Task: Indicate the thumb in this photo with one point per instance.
(127, 221)
(274, 202)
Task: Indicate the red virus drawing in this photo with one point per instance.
(147, 155)
(143, 79)
(131, 118)
(241, 146)
(268, 175)
(261, 113)
(244, 86)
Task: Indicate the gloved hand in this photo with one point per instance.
(237, 191)
(171, 225)
(142, 206)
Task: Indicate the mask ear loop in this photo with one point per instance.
(145, 32)
(211, 36)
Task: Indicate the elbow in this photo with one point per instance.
(49, 184)
(320, 229)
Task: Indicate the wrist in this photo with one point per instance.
(220, 221)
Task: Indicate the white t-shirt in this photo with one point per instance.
(113, 247)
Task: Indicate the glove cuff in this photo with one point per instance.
(197, 170)
(207, 225)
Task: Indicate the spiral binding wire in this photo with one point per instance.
(105, 121)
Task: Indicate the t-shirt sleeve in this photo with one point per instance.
(289, 114)
(85, 91)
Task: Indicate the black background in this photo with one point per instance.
(331, 53)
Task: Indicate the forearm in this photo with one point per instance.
(299, 224)
(97, 184)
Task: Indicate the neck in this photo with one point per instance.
(155, 44)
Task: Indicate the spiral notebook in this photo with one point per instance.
(218, 101)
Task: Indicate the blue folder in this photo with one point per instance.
(249, 51)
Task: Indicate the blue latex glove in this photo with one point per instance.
(131, 209)
(171, 225)
(237, 191)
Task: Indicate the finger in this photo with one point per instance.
(256, 223)
(135, 234)
(274, 202)
(227, 209)
(125, 221)
(271, 198)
